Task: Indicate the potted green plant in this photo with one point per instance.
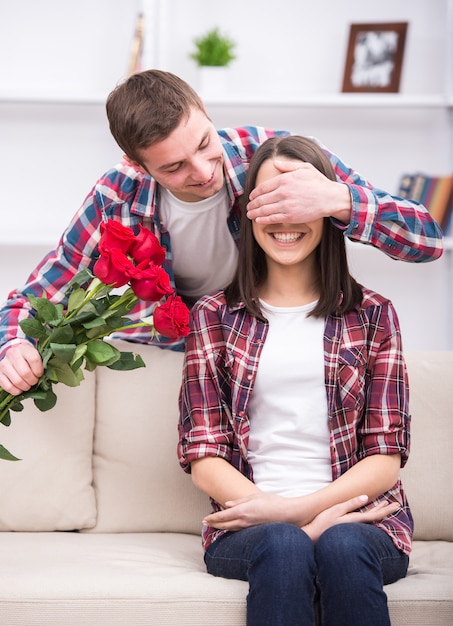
(213, 50)
(213, 54)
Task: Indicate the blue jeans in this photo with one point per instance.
(342, 574)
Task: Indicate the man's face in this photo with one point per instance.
(189, 162)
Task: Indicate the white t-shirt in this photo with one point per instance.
(289, 441)
(204, 252)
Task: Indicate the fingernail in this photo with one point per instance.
(363, 498)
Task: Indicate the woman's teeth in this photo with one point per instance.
(286, 237)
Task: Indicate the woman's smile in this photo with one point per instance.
(287, 237)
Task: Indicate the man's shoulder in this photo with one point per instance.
(245, 135)
(122, 180)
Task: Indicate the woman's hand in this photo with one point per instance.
(262, 508)
(255, 509)
(346, 512)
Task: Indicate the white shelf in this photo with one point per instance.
(337, 100)
(240, 100)
(79, 97)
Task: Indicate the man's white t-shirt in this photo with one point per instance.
(289, 441)
(204, 252)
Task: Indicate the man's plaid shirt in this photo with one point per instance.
(400, 228)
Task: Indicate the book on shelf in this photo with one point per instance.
(434, 192)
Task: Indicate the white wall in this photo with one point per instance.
(295, 47)
(60, 60)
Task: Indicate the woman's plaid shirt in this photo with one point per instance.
(366, 385)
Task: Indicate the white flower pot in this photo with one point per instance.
(213, 81)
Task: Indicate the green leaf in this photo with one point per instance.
(77, 359)
(62, 372)
(6, 455)
(62, 334)
(46, 403)
(64, 351)
(101, 353)
(46, 355)
(33, 328)
(17, 408)
(89, 365)
(99, 331)
(117, 322)
(6, 419)
(128, 361)
(60, 310)
(47, 311)
(97, 321)
(86, 313)
(76, 299)
(82, 278)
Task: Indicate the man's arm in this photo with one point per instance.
(401, 228)
(111, 197)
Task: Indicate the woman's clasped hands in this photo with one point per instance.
(263, 508)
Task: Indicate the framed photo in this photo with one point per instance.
(374, 57)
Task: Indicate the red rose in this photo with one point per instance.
(113, 267)
(115, 235)
(146, 247)
(171, 319)
(150, 282)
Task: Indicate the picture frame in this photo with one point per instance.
(374, 57)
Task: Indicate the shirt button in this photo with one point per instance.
(249, 376)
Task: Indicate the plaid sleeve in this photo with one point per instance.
(114, 195)
(52, 275)
(205, 426)
(386, 425)
(401, 228)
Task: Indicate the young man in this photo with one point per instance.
(182, 179)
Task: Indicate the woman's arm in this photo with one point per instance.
(372, 476)
(220, 480)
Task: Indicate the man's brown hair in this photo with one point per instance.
(146, 108)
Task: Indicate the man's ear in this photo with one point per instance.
(134, 164)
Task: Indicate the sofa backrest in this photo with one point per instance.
(428, 475)
(138, 481)
(104, 460)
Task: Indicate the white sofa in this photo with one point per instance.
(104, 463)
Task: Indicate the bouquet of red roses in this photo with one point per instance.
(69, 339)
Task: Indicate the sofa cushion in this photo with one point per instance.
(160, 579)
(428, 475)
(51, 487)
(139, 484)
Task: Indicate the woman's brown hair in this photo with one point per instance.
(339, 291)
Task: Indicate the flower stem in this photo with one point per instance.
(7, 402)
(95, 286)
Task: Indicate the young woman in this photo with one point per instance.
(294, 419)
